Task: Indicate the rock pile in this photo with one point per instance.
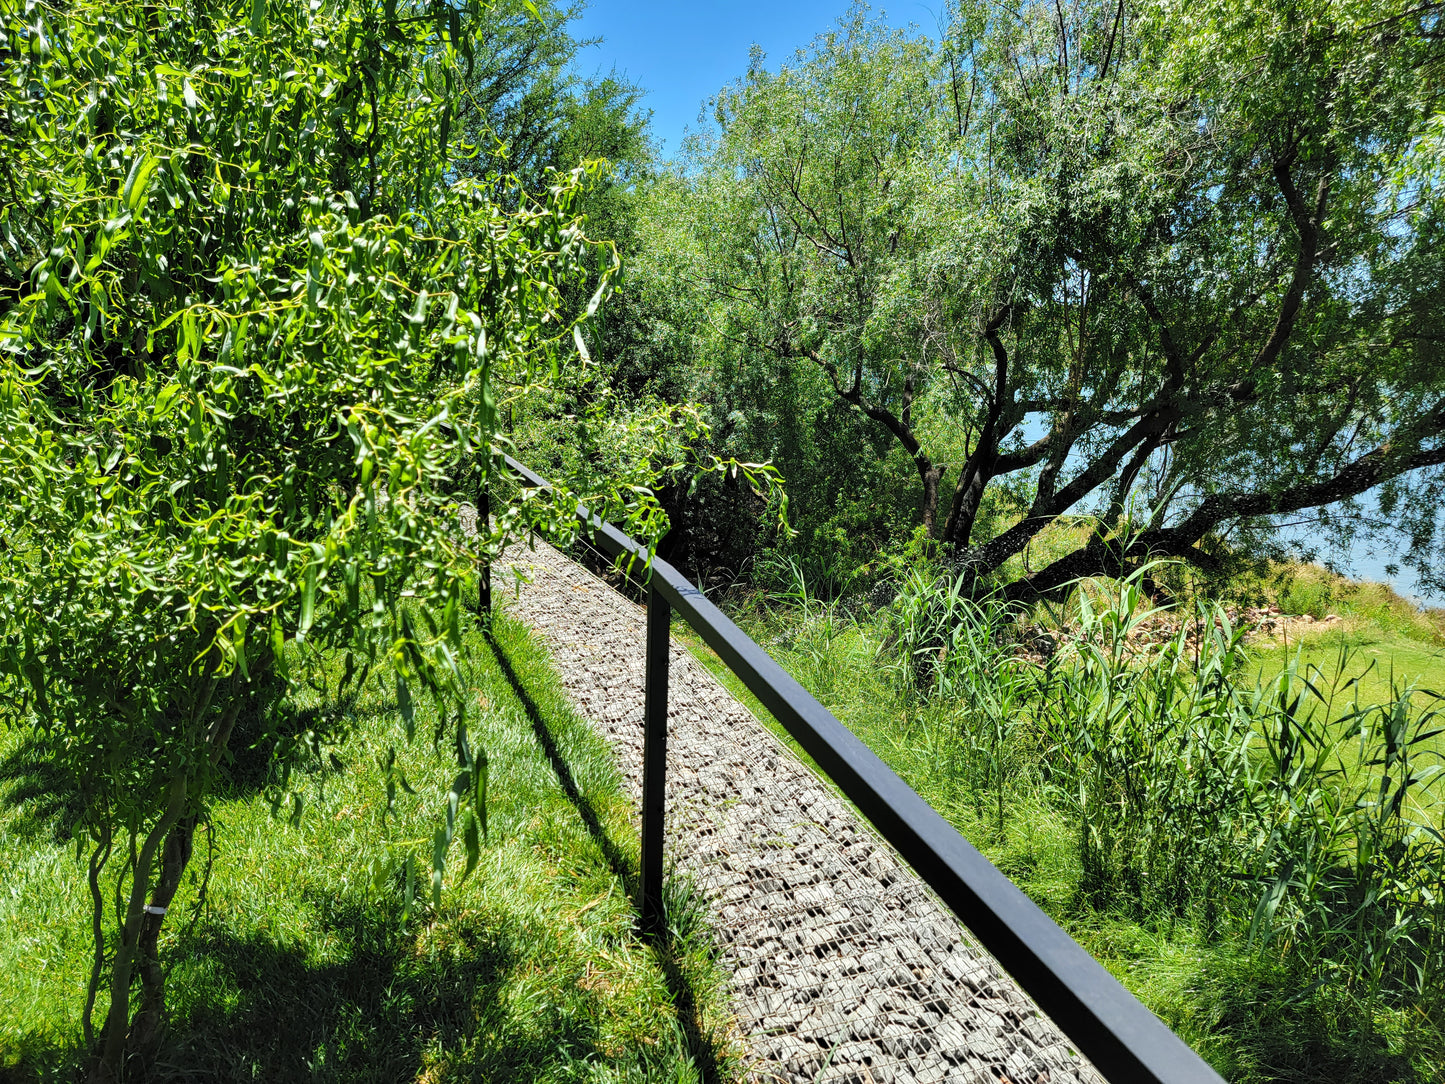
(845, 966)
(1037, 643)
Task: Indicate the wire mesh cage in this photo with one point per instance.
(845, 966)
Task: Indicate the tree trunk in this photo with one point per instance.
(932, 478)
(967, 497)
(109, 1064)
(124, 1040)
(145, 1027)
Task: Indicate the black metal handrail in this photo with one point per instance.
(1124, 1040)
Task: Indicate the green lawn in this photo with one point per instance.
(1360, 663)
(1379, 657)
(298, 965)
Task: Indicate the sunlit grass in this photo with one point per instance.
(1252, 1015)
(1378, 660)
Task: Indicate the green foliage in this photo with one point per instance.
(741, 311)
(521, 101)
(252, 327)
(1172, 267)
(951, 649)
(1309, 589)
(521, 90)
(1149, 746)
(1313, 599)
(613, 445)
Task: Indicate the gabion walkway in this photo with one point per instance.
(845, 966)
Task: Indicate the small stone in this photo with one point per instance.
(844, 967)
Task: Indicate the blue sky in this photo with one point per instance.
(683, 53)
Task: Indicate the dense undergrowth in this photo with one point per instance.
(294, 959)
(1249, 836)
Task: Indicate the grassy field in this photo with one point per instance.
(1380, 661)
(297, 964)
(1380, 649)
(1250, 1011)
(1386, 640)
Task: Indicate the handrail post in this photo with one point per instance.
(484, 528)
(654, 757)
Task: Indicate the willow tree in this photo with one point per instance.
(1173, 265)
(1222, 288)
(252, 328)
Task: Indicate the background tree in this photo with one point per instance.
(763, 267)
(1219, 300)
(1172, 266)
(525, 110)
(523, 95)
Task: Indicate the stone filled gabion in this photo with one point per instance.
(845, 966)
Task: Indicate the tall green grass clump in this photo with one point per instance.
(1260, 861)
(1148, 750)
(958, 656)
(1287, 825)
(1349, 859)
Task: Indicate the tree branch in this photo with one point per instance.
(989, 556)
(1098, 558)
(1307, 221)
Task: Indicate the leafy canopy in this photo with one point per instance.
(253, 327)
(1175, 266)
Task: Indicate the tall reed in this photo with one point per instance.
(1148, 749)
(1286, 816)
(960, 656)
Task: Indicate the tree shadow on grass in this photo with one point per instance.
(393, 1003)
(245, 1007)
(40, 791)
(1271, 1023)
(684, 927)
(268, 732)
(248, 1008)
(46, 796)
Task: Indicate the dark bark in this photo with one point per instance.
(983, 463)
(1100, 557)
(1048, 506)
(932, 477)
(1307, 220)
(127, 1040)
(109, 1064)
(1129, 474)
(146, 1025)
(1153, 424)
